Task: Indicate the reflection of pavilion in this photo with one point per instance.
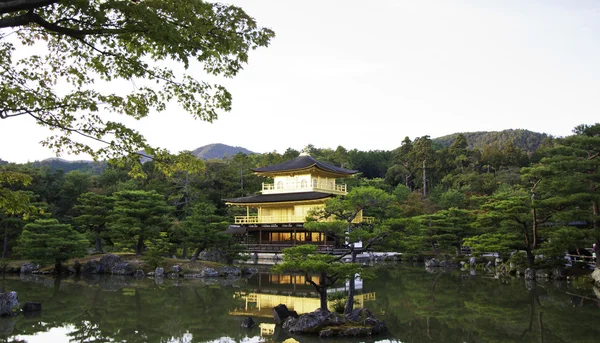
(269, 290)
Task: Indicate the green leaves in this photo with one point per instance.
(76, 81)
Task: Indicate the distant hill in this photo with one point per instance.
(67, 166)
(526, 140)
(219, 151)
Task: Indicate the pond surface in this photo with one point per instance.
(418, 306)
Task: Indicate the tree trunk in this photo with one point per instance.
(98, 243)
(530, 257)
(534, 226)
(197, 253)
(322, 289)
(139, 246)
(5, 245)
(351, 288)
(185, 251)
(58, 266)
(437, 253)
(424, 179)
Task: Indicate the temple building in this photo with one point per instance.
(275, 218)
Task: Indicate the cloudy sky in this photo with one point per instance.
(365, 74)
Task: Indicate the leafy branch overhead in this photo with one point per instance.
(76, 66)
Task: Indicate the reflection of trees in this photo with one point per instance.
(452, 307)
(136, 312)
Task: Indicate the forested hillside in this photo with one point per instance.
(525, 140)
(67, 166)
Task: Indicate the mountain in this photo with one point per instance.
(67, 166)
(219, 151)
(526, 140)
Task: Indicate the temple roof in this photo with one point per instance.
(281, 197)
(303, 162)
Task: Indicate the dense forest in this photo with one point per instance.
(497, 197)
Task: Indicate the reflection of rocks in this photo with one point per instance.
(361, 322)
(139, 274)
(596, 276)
(248, 323)
(9, 304)
(529, 274)
(431, 263)
(7, 326)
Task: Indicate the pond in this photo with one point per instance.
(418, 306)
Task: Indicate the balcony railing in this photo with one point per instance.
(329, 187)
(287, 219)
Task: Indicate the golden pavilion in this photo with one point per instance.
(275, 218)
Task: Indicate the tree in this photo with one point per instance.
(82, 46)
(304, 260)
(572, 166)
(204, 229)
(445, 229)
(93, 212)
(14, 202)
(337, 217)
(137, 216)
(47, 241)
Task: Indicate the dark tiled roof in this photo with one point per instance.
(303, 162)
(262, 198)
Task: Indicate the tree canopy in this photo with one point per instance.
(82, 64)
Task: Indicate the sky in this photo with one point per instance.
(366, 74)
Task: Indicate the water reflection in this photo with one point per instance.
(417, 306)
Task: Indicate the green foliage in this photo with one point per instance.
(83, 45)
(48, 241)
(92, 215)
(525, 140)
(157, 249)
(137, 216)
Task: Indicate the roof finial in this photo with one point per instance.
(305, 151)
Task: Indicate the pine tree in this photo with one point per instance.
(137, 216)
(47, 241)
(93, 210)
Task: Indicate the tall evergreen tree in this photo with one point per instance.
(137, 216)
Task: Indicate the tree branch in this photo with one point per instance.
(19, 5)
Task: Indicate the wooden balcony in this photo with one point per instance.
(270, 188)
(287, 219)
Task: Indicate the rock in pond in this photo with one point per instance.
(248, 323)
(159, 272)
(281, 313)
(9, 304)
(30, 306)
(229, 271)
(359, 323)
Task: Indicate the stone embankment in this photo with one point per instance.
(114, 265)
